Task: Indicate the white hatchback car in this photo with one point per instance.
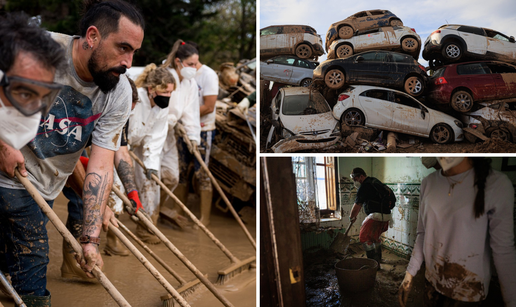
(301, 120)
(451, 43)
(397, 38)
(393, 110)
(495, 120)
(288, 69)
(300, 40)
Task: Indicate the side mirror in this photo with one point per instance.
(270, 62)
(359, 59)
(511, 39)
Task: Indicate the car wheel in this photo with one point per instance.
(345, 32)
(304, 51)
(499, 134)
(344, 51)
(353, 117)
(452, 51)
(409, 44)
(414, 86)
(462, 101)
(334, 79)
(435, 62)
(306, 82)
(441, 134)
(396, 23)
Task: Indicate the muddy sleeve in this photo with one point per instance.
(417, 257)
(501, 233)
(190, 118)
(153, 143)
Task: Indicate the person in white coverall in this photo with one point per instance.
(465, 220)
(184, 107)
(148, 127)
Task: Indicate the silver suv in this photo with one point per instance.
(299, 40)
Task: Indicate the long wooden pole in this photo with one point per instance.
(61, 228)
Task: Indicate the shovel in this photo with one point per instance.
(341, 242)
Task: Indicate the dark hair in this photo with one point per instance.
(482, 167)
(194, 44)
(18, 34)
(180, 50)
(105, 15)
(134, 90)
(358, 170)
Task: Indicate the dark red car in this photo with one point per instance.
(461, 85)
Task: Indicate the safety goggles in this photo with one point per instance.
(29, 96)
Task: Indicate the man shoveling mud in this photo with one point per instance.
(95, 101)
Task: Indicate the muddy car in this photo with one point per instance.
(288, 69)
(379, 68)
(302, 41)
(401, 39)
(360, 21)
(461, 85)
(494, 120)
(453, 43)
(301, 120)
(393, 110)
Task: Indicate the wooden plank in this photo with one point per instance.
(476, 133)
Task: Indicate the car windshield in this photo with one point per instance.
(438, 73)
(305, 104)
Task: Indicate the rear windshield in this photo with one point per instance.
(439, 73)
(305, 104)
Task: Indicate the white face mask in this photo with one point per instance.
(357, 184)
(448, 163)
(188, 72)
(17, 129)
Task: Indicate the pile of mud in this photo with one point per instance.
(495, 145)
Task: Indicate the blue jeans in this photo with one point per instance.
(23, 242)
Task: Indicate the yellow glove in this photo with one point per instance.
(405, 288)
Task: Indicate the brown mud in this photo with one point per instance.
(138, 286)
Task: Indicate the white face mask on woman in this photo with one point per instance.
(188, 72)
(448, 163)
(17, 129)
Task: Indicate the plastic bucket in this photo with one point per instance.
(356, 274)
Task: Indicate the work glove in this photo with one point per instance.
(352, 219)
(135, 201)
(405, 288)
(193, 147)
(150, 172)
(84, 161)
(244, 105)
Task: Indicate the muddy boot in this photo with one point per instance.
(36, 301)
(70, 268)
(113, 246)
(378, 250)
(144, 234)
(181, 192)
(206, 196)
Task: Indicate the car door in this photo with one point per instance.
(475, 38)
(278, 69)
(301, 70)
(369, 68)
(409, 116)
(377, 107)
(478, 77)
(368, 39)
(504, 76)
(268, 38)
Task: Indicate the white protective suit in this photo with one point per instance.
(184, 107)
(147, 134)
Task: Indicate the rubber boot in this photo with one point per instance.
(143, 233)
(206, 197)
(70, 268)
(378, 254)
(36, 301)
(181, 192)
(113, 246)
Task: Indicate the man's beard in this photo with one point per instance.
(104, 79)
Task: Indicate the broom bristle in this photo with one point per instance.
(169, 301)
(223, 278)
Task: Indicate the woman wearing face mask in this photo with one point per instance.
(148, 128)
(184, 107)
(465, 218)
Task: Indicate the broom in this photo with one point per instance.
(9, 290)
(61, 228)
(237, 265)
(174, 250)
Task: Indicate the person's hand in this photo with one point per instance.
(405, 288)
(11, 158)
(150, 172)
(244, 105)
(108, 216)
(352, 219)
(91, 258)
(135, 201)
(84, 161)
(193, 147)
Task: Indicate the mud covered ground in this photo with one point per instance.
(322, 288)
(138, 286)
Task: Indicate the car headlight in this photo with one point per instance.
(287, 133)
(458, 123)
(336, 129)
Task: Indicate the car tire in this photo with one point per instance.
(499, 133)
(353, 117)
(344, 51)
(435, 62)
(304, 51)
(462, 101)
(345, 32)
(306, 82)
(334, 79)
(396, 23)
(452, 51)
(414, 86)
(409, 44)
(441, 134)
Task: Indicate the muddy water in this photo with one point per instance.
(138, 286)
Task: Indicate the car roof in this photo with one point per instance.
(458, 25)
(472, 62)
(290, 26)
(296, 90)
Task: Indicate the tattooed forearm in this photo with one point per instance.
(126, 174)
(94, 192)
